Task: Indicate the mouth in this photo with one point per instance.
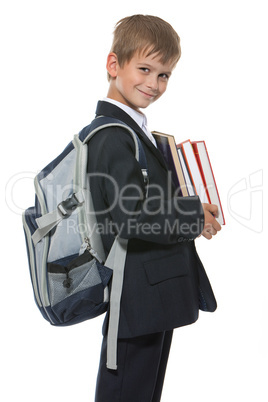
(147, 95)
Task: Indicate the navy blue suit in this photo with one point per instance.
(165, 283)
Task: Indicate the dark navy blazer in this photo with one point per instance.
(165, 283)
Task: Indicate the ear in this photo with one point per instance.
(112, 64)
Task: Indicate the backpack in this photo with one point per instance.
(70, 276)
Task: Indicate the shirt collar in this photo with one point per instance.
(138, 117)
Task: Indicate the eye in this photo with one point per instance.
(145, 69)
(164, 76)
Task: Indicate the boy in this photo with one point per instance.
(165, 283)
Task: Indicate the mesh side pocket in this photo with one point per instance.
(80, 278)
(78, 290)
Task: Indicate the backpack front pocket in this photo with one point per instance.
(77, 288)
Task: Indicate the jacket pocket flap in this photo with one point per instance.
(165, 268)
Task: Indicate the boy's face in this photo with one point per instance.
(140, 82)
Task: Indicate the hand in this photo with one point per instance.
(211, 226)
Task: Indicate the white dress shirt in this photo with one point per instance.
(138, 117)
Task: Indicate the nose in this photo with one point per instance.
(152, 83)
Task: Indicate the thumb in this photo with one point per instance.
(213, 209)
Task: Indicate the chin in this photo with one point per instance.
(144, 105)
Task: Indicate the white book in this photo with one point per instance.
(193, 169)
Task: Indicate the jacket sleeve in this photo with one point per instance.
(154, 213)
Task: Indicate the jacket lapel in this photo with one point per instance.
(108, 109)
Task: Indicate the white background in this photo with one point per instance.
(53, 56)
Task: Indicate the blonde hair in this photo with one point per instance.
(145, 34)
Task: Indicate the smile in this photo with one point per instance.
(149, 96)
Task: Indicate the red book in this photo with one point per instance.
(206, 171)
(193, 170)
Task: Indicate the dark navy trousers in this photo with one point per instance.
(141, 369)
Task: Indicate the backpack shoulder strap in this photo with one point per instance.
(117, 255)
(65, 208)
(102, 122)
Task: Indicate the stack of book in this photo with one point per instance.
(191, 169)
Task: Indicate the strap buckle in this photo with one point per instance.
(67, 206)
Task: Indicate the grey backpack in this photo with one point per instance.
(69, 273)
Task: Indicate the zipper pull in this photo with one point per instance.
(87, 242)
(85, 246)
(67, 283)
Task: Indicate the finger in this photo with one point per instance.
(213, 222)
(213, 209)
(217, 226)
(210, 228)
(212, 231)
(207, 235)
